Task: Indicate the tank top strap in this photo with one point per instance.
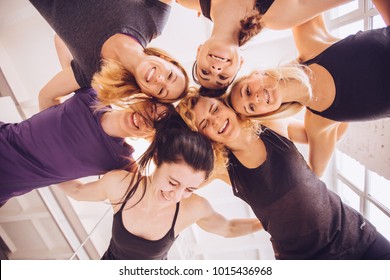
(128, 195)
(176, 214)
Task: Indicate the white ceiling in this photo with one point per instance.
(47, 225)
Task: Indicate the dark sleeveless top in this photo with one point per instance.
(360, 68)
(126, 246)
(84, 26)
(261, 5)
(304, 218)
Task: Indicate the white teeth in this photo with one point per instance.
(163, 194)
(150, 75)
(266, 95)
(219, 58)
(135, 120)
(223, 127)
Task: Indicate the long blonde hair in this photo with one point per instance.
(281, 74)
(116, 85)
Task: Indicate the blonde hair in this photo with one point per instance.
(281, 74)
(116, 85)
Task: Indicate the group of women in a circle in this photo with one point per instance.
(234, 128)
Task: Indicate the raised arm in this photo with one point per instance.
(110, 186)
(383, 7)
(299, 11)
(211, 221)
(63, 53)
(190, 4)
(323, 135)
(60, 85)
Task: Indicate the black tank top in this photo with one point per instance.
(126, 246)
(304, 218)
(261, 5)
(360, 68)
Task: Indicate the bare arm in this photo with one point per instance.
(59, 86)
(190, 4)
(322, 135)
(214, 222)
(383, 7)
(300, 11)
(63, 53)
(108, 187)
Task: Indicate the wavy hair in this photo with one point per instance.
(281, 74)
(116, 85)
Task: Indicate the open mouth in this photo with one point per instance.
(218, 58)
(134, 119)
(149, 74)
(163, 195)
(223, 128)
(266, 96)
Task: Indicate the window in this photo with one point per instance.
(359, 187)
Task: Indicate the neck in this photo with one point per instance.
(226, 16)
(124, 49)
(245, 139)
(294, 91)
(110, 124)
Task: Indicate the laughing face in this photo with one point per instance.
(138, 123)
(255, 95)
(160, 79)
(216, 121)
(217, 64)
(172, 182)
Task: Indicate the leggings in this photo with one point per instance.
(379, 249)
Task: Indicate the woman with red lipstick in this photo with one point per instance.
(70, 141)
(151, 210)
(234, 23)
(115, 35)
(338, 81)
(305, 219)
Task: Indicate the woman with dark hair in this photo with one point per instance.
(235, 22)
(70, 141)
(338, 81)
(305, 219)
(151, 210)
(115, 35)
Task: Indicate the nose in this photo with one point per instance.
(254, 98)
(178, 194)
(216, 69)
(160, 79)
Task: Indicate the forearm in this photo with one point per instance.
(240, 227)
(71, 188)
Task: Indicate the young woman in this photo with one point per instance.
(340, 81)
(151, 210)
(71, 140)
(114, 34)
(234, 23)
(304, 218)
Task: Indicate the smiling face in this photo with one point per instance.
(138, 123)
(172, 182)
(217, 64)
(160, 79)
(216, 121)
(255, 95)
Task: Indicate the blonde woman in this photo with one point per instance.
(305, 219)
(114, 33)
(338, 81)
